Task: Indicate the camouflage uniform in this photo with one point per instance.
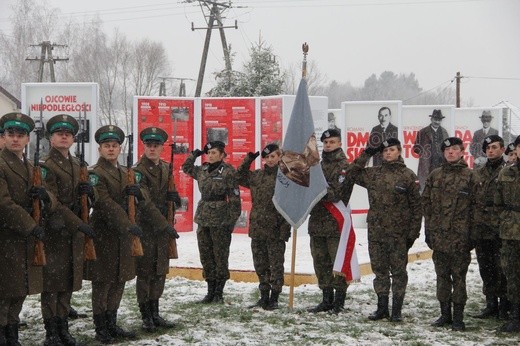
(486, 237)
(507, 200)
(217, 212)
(394, 222)
(448, 201)
(268, 229)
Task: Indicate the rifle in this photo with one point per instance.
(137, 247)
(172, 243)
(89, 249)
(39, 251)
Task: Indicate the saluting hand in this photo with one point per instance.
(252, 156)
(197, 152)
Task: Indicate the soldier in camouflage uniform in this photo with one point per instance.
(485, 234)
(114, 264)
(217, 212)
(267, 228)
(394, 222)
(323, 228)
(65, 231)
(448, 200)
(511, 154)
(154, 265)
(507, 200)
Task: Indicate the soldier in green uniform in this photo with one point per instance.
(216, 215)
(448, 200)
(267, 228)
(154, 265)
(512, 158)
(507, 200)
(115, 264)
(394, 223)
(323, 227)
(485, 233)
(64, 230)
(19, 277)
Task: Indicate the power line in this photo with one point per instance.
(497, 78)
(435, 87)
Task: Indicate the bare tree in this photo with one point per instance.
(150, 61)
(315, 78)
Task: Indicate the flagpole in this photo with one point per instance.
(305, 49)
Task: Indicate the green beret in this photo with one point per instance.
(62, 122)
(153, 135)
(109, 133)
(17, 121)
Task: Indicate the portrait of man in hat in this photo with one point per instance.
(428, 146)
(475, 147)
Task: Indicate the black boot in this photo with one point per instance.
(146, 317)
(327, 302)
(157, 319)
(513, 326)
(445, 318)
(63, 332)
(102, 334)
(51, 332)
(263, 301)
(211, 293)
(382, 309)
(273, 300)
(116, 331)
(458, 317)
(219, 291)
(491, 309)
(503, 308)
(3, 340)
(339, 301)
(74, 314)
(11, 335)
(397, 306)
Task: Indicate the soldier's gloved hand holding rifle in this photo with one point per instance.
(135, 230)
(173, 196)
(87, 230)
(134, 190)
(84, 188)
(38, 232)
(171, 232)
(39, 192)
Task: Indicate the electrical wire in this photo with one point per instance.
(435, 87)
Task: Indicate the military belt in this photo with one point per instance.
(512, 207)
(214, 198)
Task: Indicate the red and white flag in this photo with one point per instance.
(346, 263)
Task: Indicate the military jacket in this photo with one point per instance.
(64, 243)
(152, 218)
(110, 221)
(487, 219)
(448, 200)
(220, 204)
(395, 203)
(507, 200)
(17, 274)
(265, 221)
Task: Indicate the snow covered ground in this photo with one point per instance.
(233, 324)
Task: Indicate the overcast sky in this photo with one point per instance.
(349, 39)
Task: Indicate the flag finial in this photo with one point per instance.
(305, 49)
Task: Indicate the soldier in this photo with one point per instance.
(323, 227)
(394, 222)
(485, 234)
(267, 228)
(216, 215)
(154, 265)
(447, 201)
(19, 277)
(507, 200)
(511, 154)
(115, 264)
(64, 230)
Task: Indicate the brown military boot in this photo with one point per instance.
(326, 303)
(491, 309)
(445, 318)
(382, 308)
(211, 292)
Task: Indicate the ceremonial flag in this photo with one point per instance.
(346, 263)
(300, 183)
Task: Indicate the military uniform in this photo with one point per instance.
(19, 277)
(216, 215)
(268, 230)
(487, 240)
(394, 222)
(154, 265)
(507, 200)
(448, 200)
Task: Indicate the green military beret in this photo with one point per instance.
(109, 133)
(62, 122)
(153, 135)
(17, 121)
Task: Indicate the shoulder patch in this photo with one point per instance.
(138, 176)
(236, 191)
(93, 178)
(44, 171)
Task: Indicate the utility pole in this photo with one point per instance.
(46, 57)
(215, 14)
(457, 90)
(182, 89)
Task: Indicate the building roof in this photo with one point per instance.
(11, 97)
